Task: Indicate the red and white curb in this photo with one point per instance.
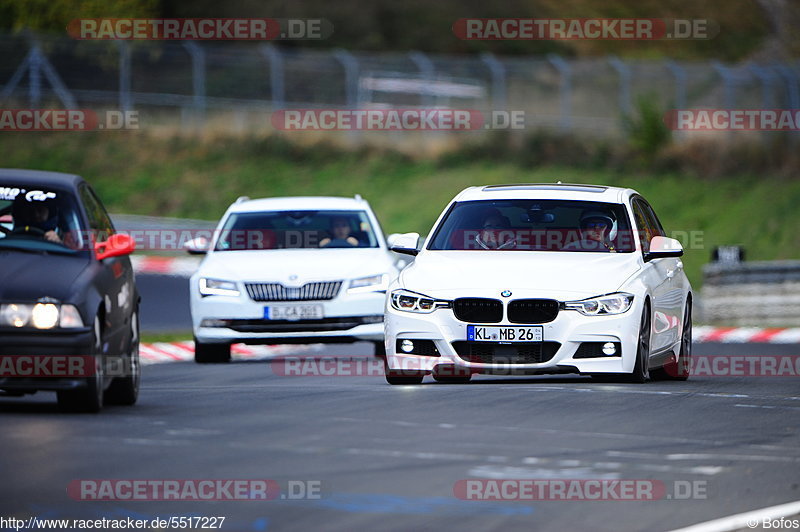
(175, 266)
(164, 352)
(160, 352)
(744, 335)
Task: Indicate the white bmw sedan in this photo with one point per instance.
(291, 270)
(540, 278)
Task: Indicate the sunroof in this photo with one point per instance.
(549, 186)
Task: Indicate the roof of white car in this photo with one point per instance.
(299, 203)
(570, 191)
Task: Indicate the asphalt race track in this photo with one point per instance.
(388, 457)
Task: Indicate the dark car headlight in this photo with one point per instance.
(40, 316)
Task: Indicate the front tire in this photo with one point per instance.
(90, 398)
(125, 390)
(402, 376)
(641, 370)
(211, 353)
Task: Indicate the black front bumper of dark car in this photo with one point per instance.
(28, 343)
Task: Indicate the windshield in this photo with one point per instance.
(38, 218)
(535, 225)
(296, 230)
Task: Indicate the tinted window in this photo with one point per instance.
(296, 230)
(99, 221)
(644, 223)
(534, 225)
(39, 217)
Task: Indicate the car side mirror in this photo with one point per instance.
(662, 247)
(405, 243)
(197, 246)
(117, 244)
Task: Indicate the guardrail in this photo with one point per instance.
(752, 293)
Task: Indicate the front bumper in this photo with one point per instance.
(346, 318)
(47, 347)
(562, 338)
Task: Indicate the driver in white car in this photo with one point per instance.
(340, 230)
(597, 230)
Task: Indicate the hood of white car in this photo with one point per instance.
(450, 274)
(295, 266)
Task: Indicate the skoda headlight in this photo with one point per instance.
(371, 283)
(218, 287)
(408, 301)
(602, 305)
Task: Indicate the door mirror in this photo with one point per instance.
(662, 247)
(197, 246)
(116, 245)
(405, 243)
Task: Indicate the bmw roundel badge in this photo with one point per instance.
(506, 293)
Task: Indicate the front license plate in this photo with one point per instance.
(293, 312)
(479, 333)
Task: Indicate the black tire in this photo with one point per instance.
(402, 376)
(679, 370)
(89, 398)
(125, 390)
(641, 371)
(211, 353)
(380, 350)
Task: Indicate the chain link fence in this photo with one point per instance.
(236, 85)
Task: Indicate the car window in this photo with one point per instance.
(40, 218)
(99, 220)
(301, 229)
(534, 225)
(652, 219)
(644, 223)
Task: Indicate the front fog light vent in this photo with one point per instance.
(598, 350)
(425, 348)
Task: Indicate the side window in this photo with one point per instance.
(653, 220)
(643, 225)
(99, 221)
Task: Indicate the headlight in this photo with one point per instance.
(44, 315)
(372, 283)
(40, 315)
(602, 305)
(408, 301)
(217, 287)
(70, 317)
(15, 315)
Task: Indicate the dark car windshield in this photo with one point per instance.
(535, 225)
(296, 230)
(36, 218)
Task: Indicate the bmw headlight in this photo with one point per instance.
(218, 287)
(408, 301)
(602, 305)
(371, 283)
(43, 315)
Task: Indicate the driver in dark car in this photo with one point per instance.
(33, 218)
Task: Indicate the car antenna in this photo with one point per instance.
(242, 198)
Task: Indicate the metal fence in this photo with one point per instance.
(752, 293)
(197, 80)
